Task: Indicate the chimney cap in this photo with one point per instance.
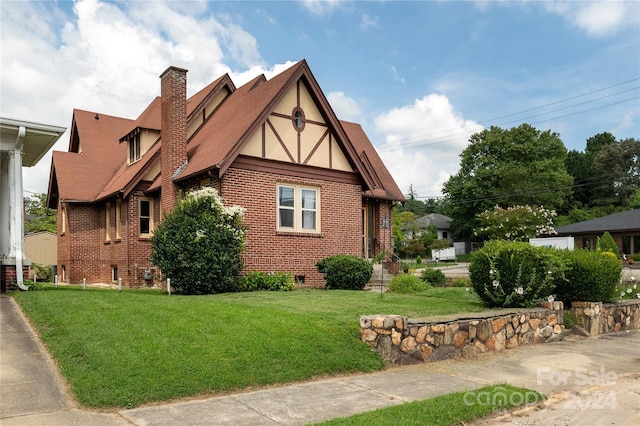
(175, 69)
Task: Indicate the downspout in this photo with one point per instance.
(19, 207)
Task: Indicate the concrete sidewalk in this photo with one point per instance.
(31, 393)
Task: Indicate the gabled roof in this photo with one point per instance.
(82, 174)
(96, 165)
(617, 222)
(385, 186)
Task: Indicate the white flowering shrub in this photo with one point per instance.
(199, 244)
(509, 274)
(516, 223)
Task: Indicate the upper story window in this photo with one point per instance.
(298, 208)
(134, 148)
(298, 119)
(145, 217)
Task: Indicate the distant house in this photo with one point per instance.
(311, 185)
(624, 227)
(421, 224)
(22, 144)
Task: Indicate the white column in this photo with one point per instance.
(16, 207)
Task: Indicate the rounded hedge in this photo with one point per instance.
(514, 274)
(198, 245)
(590, 277)
(435, 277)
(345, 272)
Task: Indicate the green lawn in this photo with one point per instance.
(455, 408)
(123, 349)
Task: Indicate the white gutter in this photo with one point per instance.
(18, 207)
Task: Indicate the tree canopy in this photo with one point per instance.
(38, 216)
(518, 166)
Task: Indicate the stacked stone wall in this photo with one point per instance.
(403, 341)
(599, 318)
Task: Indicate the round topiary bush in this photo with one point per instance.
(198, 245)
(345, 272)
(407, 284)
(514, 274)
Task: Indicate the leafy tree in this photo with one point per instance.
(198, 245)
(519, 166)
(617, 165)
(38, 216)
(516, 223)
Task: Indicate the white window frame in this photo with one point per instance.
(150, 217)
(135, 148)
(297, 208)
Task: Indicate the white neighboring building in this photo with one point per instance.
(22, 143)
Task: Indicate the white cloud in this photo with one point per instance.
(423, 142)
(396, 76)
(368, 23)
(346, 108)
(107, 57)
(322, 7)
(598, 18)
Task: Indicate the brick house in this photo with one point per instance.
(311, 185)
(624, 227)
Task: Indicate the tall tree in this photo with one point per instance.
(519, 166)
(617, 166)
(38, 216)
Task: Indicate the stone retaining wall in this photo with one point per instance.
(598, 318)
(404, 341)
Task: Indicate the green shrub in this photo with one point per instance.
(461, 282)
(345, 272)
(407, 284)
(198, 245)
(590, 277)
(435, 277)
(42, 271)
(418, 259)
(33, 285)
(606, 243)
(262, 281)
(514, 274)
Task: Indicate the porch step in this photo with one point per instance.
(380, 278)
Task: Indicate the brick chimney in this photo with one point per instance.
(173, 133)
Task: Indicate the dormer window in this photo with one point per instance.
(134, 148)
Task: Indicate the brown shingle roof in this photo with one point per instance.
(386, 185)
(81, 176)
(101, 170)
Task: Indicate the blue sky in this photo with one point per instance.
(420, 76)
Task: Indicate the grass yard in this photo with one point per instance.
(452, 409)
(124, 349)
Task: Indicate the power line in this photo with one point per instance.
(459, 131)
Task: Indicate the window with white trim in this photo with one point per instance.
(134, 148)
(298, 208)
(145, 217)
